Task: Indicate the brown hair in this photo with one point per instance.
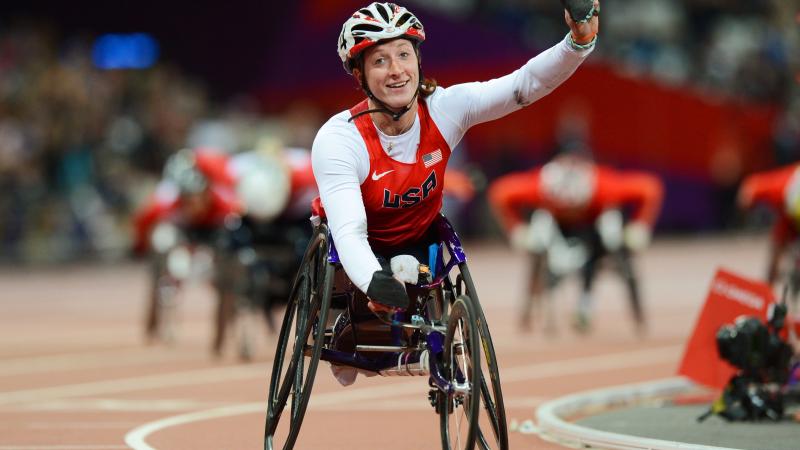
(427, 87)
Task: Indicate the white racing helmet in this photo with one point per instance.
(374, 23)
(264, 187)
(181, 169)
(569, 181)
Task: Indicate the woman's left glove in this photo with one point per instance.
(386, 290)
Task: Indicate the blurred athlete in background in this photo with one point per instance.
(779, 190)
(568, 215)
(180, 226)
(265, 244)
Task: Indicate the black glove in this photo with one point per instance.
(386, 290)
(580, 10)
(777, 316)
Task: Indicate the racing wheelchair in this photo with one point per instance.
(181, 255)
(556, 252)
(443, 335)
(260, 260)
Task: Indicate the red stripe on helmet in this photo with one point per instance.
(360, 47)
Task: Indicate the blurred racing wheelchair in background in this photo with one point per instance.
(263, 249)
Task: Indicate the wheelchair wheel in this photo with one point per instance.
(493, 429)
(302, 334)
(246, 320)
(162, 316)
(458, 411)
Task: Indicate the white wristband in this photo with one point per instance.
(581, 47)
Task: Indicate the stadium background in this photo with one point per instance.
(701, 92)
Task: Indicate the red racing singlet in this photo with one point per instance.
(402, 199)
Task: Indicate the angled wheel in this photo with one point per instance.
(535, 299)
(162, 315)
(299, 345)
(493, 428)
(458, 410)
(793, 280)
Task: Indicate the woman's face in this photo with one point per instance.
(392, 72)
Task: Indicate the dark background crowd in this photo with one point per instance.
(701, 92)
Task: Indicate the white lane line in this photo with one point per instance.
(93, 360)
(419, 403)
(553, 425)
(136, 438)
(110, 404)
(588, 364)
(524, 402)
(536, 371)
(52, 332)
(406, 404)
(193, 377)
(62, 447)
(88, 425)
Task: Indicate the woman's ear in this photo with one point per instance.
(357, 74)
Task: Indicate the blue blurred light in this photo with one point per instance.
(125, 51)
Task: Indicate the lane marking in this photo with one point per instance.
(93, 360)
(554, 427)
(79, 425)
(136, 438)
(191, 329)
(117, 405)
(421, 404)
(62, 447)
(186, 378)
(587, 364)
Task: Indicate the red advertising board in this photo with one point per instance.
(729, 297)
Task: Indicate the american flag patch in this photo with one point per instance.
(432, 158)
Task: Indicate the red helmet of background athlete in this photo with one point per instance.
(375, 23)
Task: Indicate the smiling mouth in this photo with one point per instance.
(398, 85)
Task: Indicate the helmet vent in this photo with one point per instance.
(403, 19)
(364, 28)
(382, 11)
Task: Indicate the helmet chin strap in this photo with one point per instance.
(383, 107)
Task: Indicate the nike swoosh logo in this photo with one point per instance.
(377, 176)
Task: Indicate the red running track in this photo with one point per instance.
(75, 374)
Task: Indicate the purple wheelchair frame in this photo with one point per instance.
(433, 336)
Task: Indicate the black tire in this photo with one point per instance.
(493, 432)
(793, 282)
(539, 282)
(162, 321)
(167, 304)
(302, 334)
(458, 412)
